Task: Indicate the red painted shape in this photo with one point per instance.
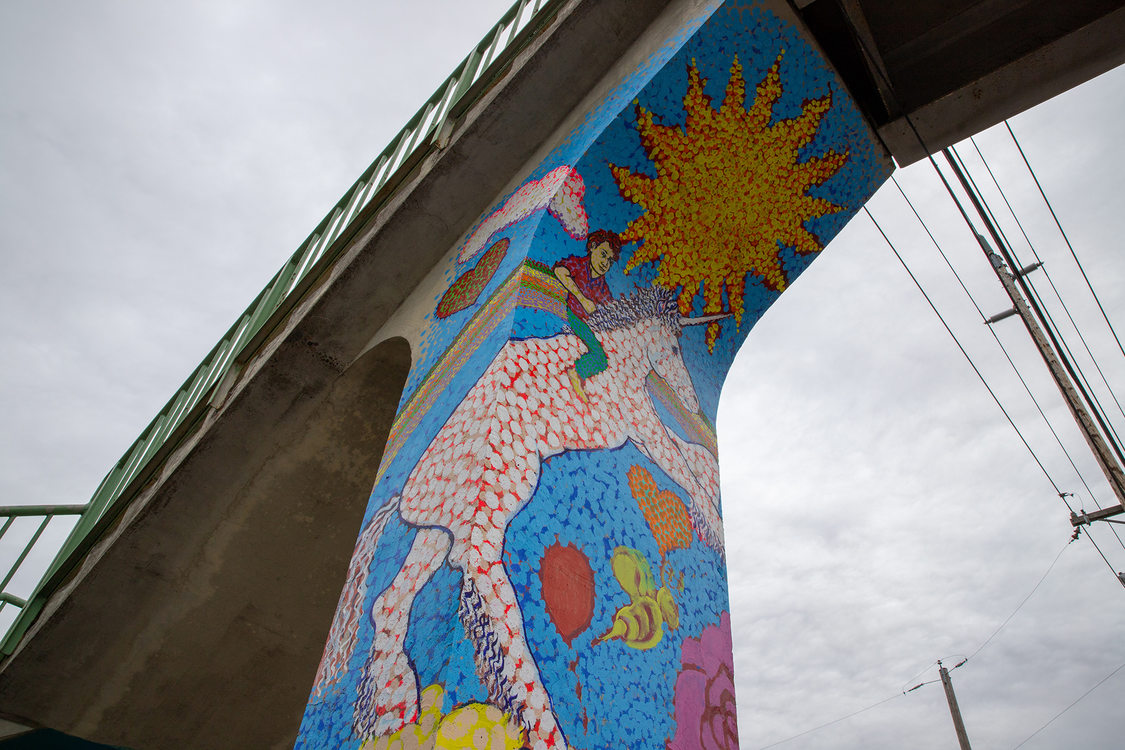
(470, 284)
(568, 589)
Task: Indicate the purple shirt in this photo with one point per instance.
(596, 290)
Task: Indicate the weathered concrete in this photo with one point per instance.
(929, 74)
(211, 602)
(200, 616)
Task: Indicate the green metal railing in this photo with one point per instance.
(207, 386)
(44, 514)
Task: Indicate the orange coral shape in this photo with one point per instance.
(665, 512)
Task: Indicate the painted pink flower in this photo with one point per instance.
(705, 710)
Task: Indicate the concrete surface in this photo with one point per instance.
(200, 616)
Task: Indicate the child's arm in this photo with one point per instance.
(564, 277)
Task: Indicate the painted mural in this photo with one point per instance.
(542, 561)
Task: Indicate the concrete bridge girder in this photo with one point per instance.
(146, 630)
(929, 74)
(128, 630)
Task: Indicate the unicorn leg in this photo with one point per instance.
(672, 455)
(494, 623)
(704, 467)
(388, 688)
(345, 623)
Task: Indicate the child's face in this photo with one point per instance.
(601, 258)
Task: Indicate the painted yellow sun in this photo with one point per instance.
(729, 191)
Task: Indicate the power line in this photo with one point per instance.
(906, 690)
(1020, 605)
(1112, 527)
(1007, 356)
(1062, 495)
(834, 721)
(1109, 463)
(1053, 353)
(963, 351)
(1066, 356)
(1065, 238)
(995, 337)
(1072, 705)
(1047, 275)
(921, 672)
(920, 684)
(1109, 565)
(1050, 281)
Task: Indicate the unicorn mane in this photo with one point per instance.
(645, 303)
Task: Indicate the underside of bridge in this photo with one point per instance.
(929, 74)
(201, 614)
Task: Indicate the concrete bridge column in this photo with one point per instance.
(542, 558)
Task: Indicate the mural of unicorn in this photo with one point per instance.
(533, 500)
(481, 469)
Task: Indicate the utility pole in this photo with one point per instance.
(955, 712)
(1106, 459)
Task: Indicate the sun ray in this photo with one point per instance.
(735, 93)
(801, 129)
(729, 192)
(768, 92)
(637, 188)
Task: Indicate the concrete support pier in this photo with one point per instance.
(520, 345)
(542, 560)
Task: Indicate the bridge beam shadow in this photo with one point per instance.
(213, 601)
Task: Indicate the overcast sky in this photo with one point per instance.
(159, 162)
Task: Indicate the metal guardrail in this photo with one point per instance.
(44, 514)
(208, 385)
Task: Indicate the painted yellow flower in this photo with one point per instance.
(474, 726)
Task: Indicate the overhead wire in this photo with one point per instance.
(995, 337)
(1091, 400)
(1077, 531)
(1047, 275)
(921, 684)
(890, 89)
(1112, 527)
(969, 359)
(1074, 703)
(1066, 356)
(1022, 602)
(1064, 235)
(834, 721)
(1047, 319)
(882, 74)
(896, 105)
(1011, 362)
(915, 677)
(1081, 337)
(1058, 351)
(1062, 495)
(905, 690)
(1002, 248)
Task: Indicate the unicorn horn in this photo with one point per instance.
(703, 319)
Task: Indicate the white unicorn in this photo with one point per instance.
(481, 469)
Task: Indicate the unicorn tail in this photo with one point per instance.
(345, 625)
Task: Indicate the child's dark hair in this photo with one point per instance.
(607, 236)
